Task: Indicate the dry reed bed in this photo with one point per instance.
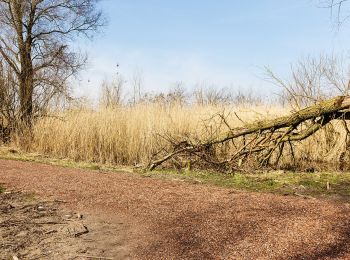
(130, 135)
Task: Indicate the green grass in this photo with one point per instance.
(275, 182)
(287, 183)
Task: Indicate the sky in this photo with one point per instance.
(221, 43)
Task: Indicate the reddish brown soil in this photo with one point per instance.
(31, 228)
(163, 219)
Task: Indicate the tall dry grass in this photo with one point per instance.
(132, 135)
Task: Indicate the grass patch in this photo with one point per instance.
(17, 155)
(287, 183)
(279, 182)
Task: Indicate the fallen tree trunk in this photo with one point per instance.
(323, 108)
(266, 136)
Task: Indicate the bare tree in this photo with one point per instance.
(111, 92)
(246, 97)
(211, 95)
(314, 79)
(137, 81)
(177, 94)
(35, 40)
(339, 9)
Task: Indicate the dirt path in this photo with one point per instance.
(31, 228)
(159, 219)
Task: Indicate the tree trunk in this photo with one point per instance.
(26, 100)
(26, 85)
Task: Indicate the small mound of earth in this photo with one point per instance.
(34, 229)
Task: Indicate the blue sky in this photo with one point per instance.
(225, 43)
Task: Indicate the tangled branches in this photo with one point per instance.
(262, 142)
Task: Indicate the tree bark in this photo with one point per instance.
(26, 81)
(26, 98)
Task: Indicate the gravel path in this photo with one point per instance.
(176, 220)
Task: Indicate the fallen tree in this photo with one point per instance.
(264, 140)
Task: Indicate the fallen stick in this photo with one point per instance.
(85, 231)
